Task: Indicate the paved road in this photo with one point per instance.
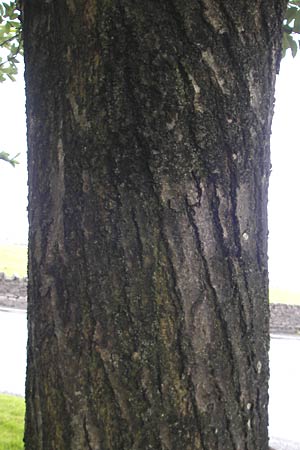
(284, 381)
(13, 337)
(284, 404)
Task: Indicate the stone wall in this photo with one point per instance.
(285, 319)
(13, 292)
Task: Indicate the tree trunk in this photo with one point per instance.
(148, 134)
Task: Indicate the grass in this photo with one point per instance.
(284, 296)
(12, 410)
(13, 260)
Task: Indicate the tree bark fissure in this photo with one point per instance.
(148, 135)
(233, 361)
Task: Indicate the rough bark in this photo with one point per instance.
(148, 135)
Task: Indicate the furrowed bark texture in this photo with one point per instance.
(148, 133)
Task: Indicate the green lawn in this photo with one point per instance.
(13, 260)
(284, 296)
(12, 411)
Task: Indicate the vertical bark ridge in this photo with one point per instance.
(147, 136)
(226, 335)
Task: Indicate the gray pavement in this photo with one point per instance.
(284, 390)
(280, 444)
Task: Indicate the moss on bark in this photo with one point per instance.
(148, 135)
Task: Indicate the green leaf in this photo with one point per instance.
(296, 27)
(11, 77)
(294, 48)
(11, 160)
(285, 44)
(14, 23)
(291, 13)
(289, 42)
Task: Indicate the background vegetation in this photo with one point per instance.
(12, 410)
(13, 260)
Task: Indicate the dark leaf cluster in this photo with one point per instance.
(10, 39)
(291, 28)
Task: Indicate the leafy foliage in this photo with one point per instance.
(10, 39)
(291, 28)
(10, 47)
(12, 160)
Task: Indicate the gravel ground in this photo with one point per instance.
(285, 319)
